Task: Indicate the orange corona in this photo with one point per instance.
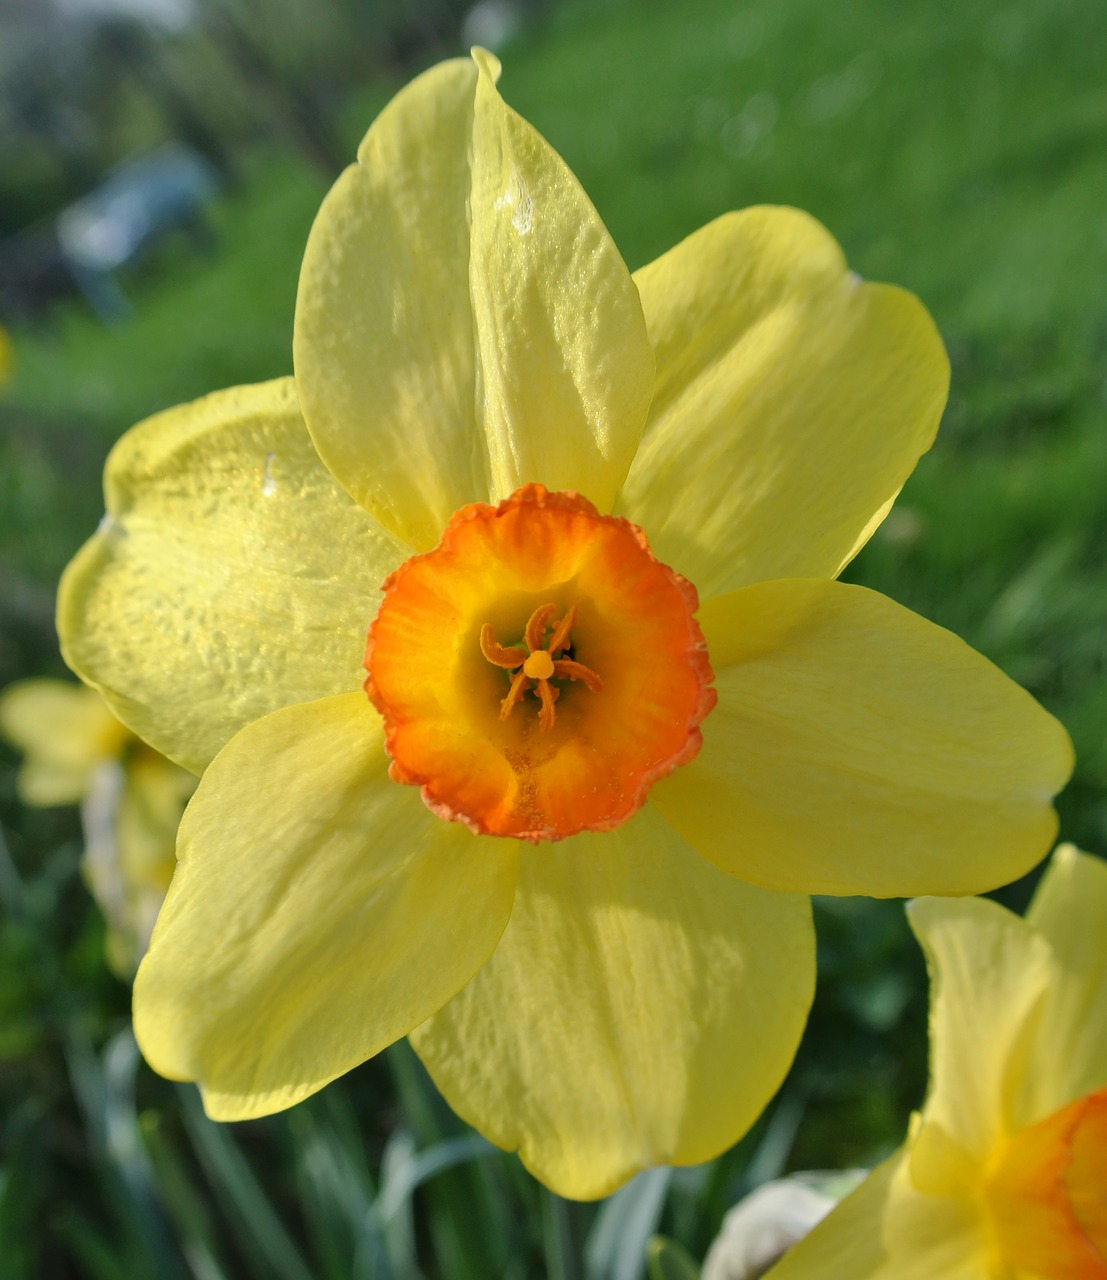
(609, 656)
(1046, 1194)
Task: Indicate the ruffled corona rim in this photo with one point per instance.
(539, 669)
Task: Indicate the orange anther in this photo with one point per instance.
(547, 715)
(497, 654)
(560, 637)
(567, 669)
(519, 685)
(537, 624)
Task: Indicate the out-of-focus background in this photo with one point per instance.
(160, 164)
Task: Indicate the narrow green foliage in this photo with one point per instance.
(668, 1260)
(271, 1251)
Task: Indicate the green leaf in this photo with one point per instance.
(667, 1260)
(616, 1244)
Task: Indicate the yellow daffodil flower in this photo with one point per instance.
(1004, 1173)
(131, 798)
(588, 903)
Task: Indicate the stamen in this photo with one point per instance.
(538, 664)
(519, 685)
(547, 715)
(567, 669)
(560, 638)
(536, 626)
(497, 654)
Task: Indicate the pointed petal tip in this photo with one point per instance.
(487, 63)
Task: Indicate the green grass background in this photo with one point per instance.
(957, 147)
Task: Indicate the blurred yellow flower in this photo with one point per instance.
(478, 378)
(1004, 1172)
(131, 798)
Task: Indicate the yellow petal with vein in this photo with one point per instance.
(792, 402)
(318, 913)
(231, 576)
(857, 748)
(640, 1009)
(464, 322)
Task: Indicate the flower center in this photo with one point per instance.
(537, 664)
(1046, 1194)
(566, 730)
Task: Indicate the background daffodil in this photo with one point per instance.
(1004, 1172)
(131, 798)
(474, 360)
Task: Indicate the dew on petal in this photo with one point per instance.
(268, 483)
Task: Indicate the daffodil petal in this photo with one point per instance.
(566, 369)
(928, 1236)
(640, 1009)
(464, 323)
(1070, 911)
(231, 575)
(791, 403)
(317, 914)
(989, 970)
(857, 748)
(64, 730)
(886, 1231)
(848, 1241)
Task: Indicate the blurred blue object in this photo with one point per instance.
(140, 203)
